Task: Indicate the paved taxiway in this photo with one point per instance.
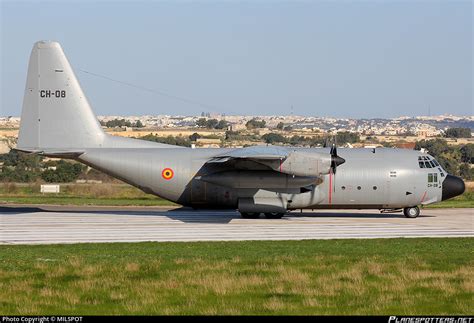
(49, 224)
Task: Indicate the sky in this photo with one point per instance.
(354, 59)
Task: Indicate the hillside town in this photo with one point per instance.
(404, 131)
(421, 126)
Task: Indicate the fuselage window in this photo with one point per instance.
(435, 162)
(441, 172)
(432, 164)
(375, 187)
(433, 180)
(343, 188)
(422, 165)
(427, 164)
(359, 188)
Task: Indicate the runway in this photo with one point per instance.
(52, 225)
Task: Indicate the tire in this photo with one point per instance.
(274, 215)
(411, 212)
(249, 215)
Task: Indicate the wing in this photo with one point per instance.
(267, 167)
(254, 153)
(285, 160)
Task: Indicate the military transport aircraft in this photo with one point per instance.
(58, 121)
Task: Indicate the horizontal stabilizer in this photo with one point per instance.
(54, 153)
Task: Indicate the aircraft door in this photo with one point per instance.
(433, 186)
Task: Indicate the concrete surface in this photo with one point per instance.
(58, 224)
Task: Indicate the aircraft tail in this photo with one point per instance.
(56, 114)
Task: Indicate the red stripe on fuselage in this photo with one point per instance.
(330, 187)
(423, 198)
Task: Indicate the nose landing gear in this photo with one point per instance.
(411, 212)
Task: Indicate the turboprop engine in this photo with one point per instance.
(304, 163)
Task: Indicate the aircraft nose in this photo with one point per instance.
(452, 186)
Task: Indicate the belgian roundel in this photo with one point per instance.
(167, 173)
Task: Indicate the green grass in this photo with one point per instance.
(465, 200)
(384, 276)
(80, 194)
(452, 204)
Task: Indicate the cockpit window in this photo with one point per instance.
(427, 162)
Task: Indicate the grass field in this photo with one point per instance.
(80, 194)
(386, 276)
(126, 195)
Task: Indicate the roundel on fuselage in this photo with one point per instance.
(167, 173)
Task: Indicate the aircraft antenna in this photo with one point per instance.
(155, 91)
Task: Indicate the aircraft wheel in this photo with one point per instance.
(411, 212)
(249, 215)
(274, 215)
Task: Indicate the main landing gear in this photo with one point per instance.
(255, 215)
(249, 215)
(411, 212)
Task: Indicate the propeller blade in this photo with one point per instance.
(335, 159)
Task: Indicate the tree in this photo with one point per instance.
(233, 135)
(458, 133)
(20, 167)
(195, 136)
(467, 153)
(298, 140)
(212, 123)
(170, 140)
(254, 124)
(280, 126)
(449, 157)
(465, 171)
(222, 124)
(139, 124)
(118, 123)
(201, 123)
(436, 147)
(65, 172)
(344, 137)
(271, 138)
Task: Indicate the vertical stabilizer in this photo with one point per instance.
(56, 113)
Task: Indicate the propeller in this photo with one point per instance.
(335, 161)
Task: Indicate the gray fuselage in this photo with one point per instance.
(370, 178)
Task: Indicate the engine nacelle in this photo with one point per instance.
(301, 163)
